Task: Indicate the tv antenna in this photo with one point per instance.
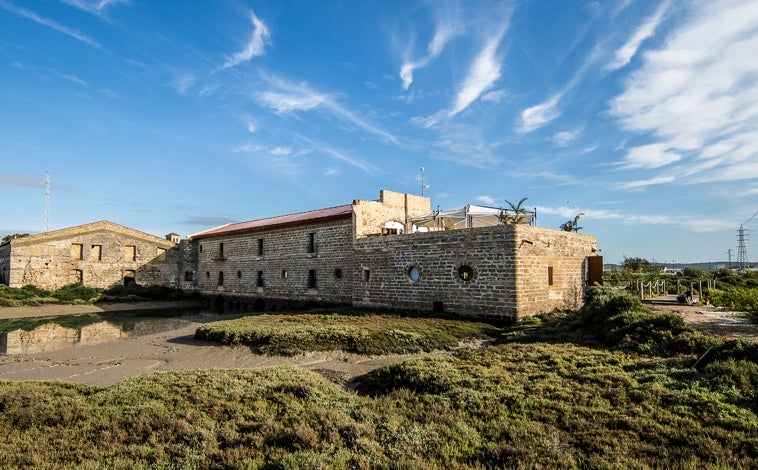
(47, 201)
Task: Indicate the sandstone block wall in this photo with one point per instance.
(507, 276)
(286, 264)
(100, 254)
(370, 216)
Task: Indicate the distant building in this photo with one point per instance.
(100, 254)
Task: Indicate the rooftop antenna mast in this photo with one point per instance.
(423, 186)
(47, 201)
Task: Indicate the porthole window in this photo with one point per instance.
(338, 273)
(466, 273)
(285, 274)
(414, 273)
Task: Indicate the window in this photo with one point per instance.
(207, 274)
(260, 247)
(414, 273)
(239, 274)
(259, 279)
(96, 253)
(189, 276)
(366, 275)
(76, 276)
(220, 251)
(201, 248)
(338, 273)
(221, 278)
(130, 253)
(77, 250)
(312, 279)
(312, 248)
(285, 274)
(466, 273)
(549, 275)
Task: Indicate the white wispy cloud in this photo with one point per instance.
(289, 97)
(484, 72)
(183, 82)
(281, 151)
(697, 96)
(96, 7)
(30, 15)
(255, 47)
(339, 155)
(650, 156)
(489, 200)
(642, 184)
(534, 117)
(21, 180)
(251, 127)
(563, 138)
(646, 30)
(495, 96)
(448, 26)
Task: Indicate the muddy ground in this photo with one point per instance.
(110, 362)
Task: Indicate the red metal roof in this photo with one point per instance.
(300, 218)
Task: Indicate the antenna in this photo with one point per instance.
(47, 201)
(423, 186)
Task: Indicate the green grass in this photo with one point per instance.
(588, 389)
(363, 334)
(79, 294)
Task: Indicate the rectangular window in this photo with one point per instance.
(220, 251)
(366, 275)
(189, 276)
(76, 250)
(312, 279)
(130, 253)
(259, 279)
(260, 247)
(96, 253)
(549, 275)
(312, 242)
(76, 276)
(221, 278)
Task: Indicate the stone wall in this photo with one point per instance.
(493, 272)
(370, 216)
(100, 255)
(551, 268)
(285, 264)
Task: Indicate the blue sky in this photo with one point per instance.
(177, 116)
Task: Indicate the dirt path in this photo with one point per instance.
(722, 323)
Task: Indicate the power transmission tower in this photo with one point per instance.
(741, 249)
(47, 201)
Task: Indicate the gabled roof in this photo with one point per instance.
(101, 225)
(291, 220)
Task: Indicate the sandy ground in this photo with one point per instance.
(108, 363)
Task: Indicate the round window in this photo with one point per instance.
(414, 273)
(466, 273)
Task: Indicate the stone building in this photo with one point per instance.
(100, 254)
(370, 254)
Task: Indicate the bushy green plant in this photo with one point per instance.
(744, 299)
(76, 292)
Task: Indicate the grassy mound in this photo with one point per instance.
(362, 334)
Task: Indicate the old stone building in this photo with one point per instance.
(394, 253)
(100, 254)
(370, 254)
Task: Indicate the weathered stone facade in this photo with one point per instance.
(504, 271)
(101, 254)
(363, 254)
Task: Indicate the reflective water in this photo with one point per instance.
(53, 333)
